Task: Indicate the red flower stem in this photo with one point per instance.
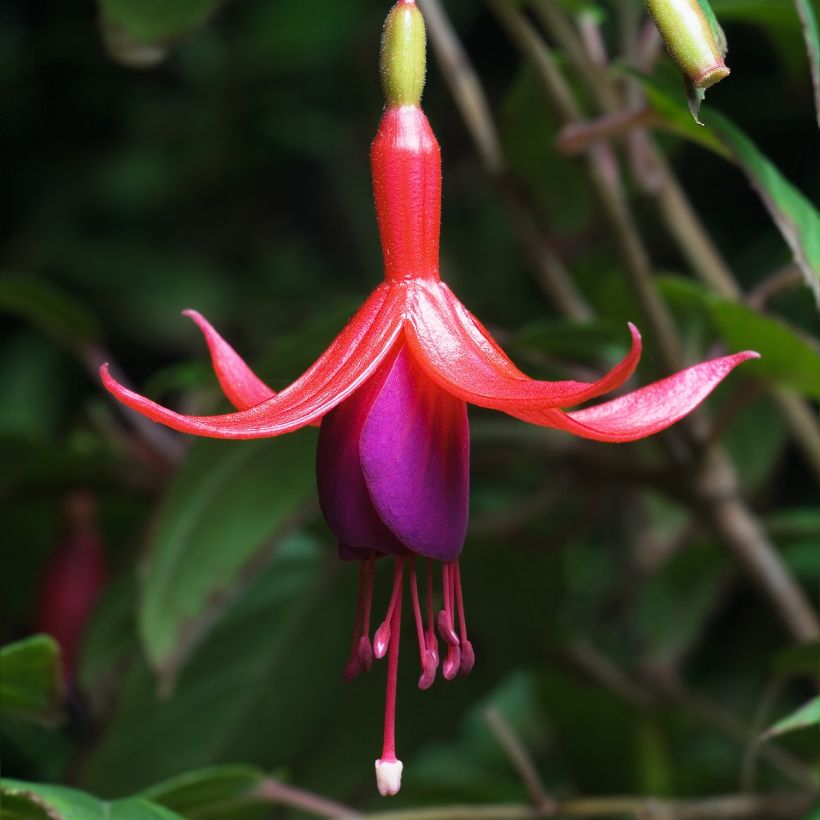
(389, 748)
(417, 610)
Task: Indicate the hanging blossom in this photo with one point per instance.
(391, 395)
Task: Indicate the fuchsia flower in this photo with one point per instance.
(73, 579)
(391, 394)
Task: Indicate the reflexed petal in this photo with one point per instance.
(344, 366)
(343, 494)
(456, 351)
(646, 411)
(241, 386)
(415, 452)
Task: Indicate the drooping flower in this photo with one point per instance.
(391, 392)
(73, 578)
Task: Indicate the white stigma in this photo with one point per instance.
(388, 777)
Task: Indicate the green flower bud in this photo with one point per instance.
(403, 61)
(690, 40)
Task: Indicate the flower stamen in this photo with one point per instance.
(429, 662)
(365, 648)
(381, 640)
(444, 621)
(467, 653)
(353, 667)
(430, 639)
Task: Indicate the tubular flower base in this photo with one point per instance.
(391, 392)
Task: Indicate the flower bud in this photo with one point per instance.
(73, 579)
(690, 40)
(403, 62)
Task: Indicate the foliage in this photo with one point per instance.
(618, 630)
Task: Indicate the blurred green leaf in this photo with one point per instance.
(796, 522)
(593, 342)
(795, 216)
(800, 659)
(788, 356)
(31, 682)
(762, 12)
(110, 634)
(50, 308)
(32, 801)
(245, 689)
(229, 506)
(674, 608)
(811, 35)
(674, 116)
(216, 793)
(150, 20)
(803, 718)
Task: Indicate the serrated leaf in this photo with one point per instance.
(31, 684)
(210, 794)
(37, 800)
(228, 507)
(806, 716)
(811, 35)
(796, 218)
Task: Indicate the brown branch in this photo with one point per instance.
(550, 272)
(275, 791)
(659, 687)
(577, 137)
(728, 807)
(520, 759)
(715, 485)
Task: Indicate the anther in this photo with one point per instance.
(444, 620)
(364, 654)
(452, 663)
(381, 639)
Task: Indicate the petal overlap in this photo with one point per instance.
(459, 354)
(241, 386)
(343, 493)
(644, 411)
(415, 453)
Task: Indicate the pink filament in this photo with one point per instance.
(389, 748)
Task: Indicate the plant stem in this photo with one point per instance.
(550, 272)
(520, 759)
(715, 484)
(729, 807)
(274, 791)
